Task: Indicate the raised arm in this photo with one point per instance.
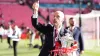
(34, 20)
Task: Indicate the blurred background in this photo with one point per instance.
(85, 12)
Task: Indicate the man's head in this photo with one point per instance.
(11, 21)
(58, 19)
(71, 21)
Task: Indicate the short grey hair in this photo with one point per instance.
(61, 15)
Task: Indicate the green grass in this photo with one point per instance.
(91, 48)
(93, 52)
(24, 50)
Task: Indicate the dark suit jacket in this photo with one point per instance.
(49, 36)
(78, 37)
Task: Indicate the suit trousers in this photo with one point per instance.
(1, 38)
(15, 47)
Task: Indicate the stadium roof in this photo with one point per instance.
(65, 5)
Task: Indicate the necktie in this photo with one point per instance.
(56, 33)
(56, 41)
(55, 36)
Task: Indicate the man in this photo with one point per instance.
(15, 38)
(49, 29)
(1, 31)
(10, 32)
(76, 32)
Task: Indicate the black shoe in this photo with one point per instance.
(36, 46)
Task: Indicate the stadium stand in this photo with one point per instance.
(7, 0)
(21, 14)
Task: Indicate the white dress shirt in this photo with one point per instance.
(16, 36)
(1, 30)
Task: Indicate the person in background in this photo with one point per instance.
(15, 38)
(10, 32)
(1, 32)
(31, 36)
(77, 35)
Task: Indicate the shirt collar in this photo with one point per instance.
(58, 28)
(72, 27)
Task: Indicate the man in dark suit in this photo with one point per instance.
(76, 32)
(49, 29)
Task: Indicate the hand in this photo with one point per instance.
(82, 52)
(35, 7)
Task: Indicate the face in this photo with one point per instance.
(57, 21)
(71, 22)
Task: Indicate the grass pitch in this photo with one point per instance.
(24, 50)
